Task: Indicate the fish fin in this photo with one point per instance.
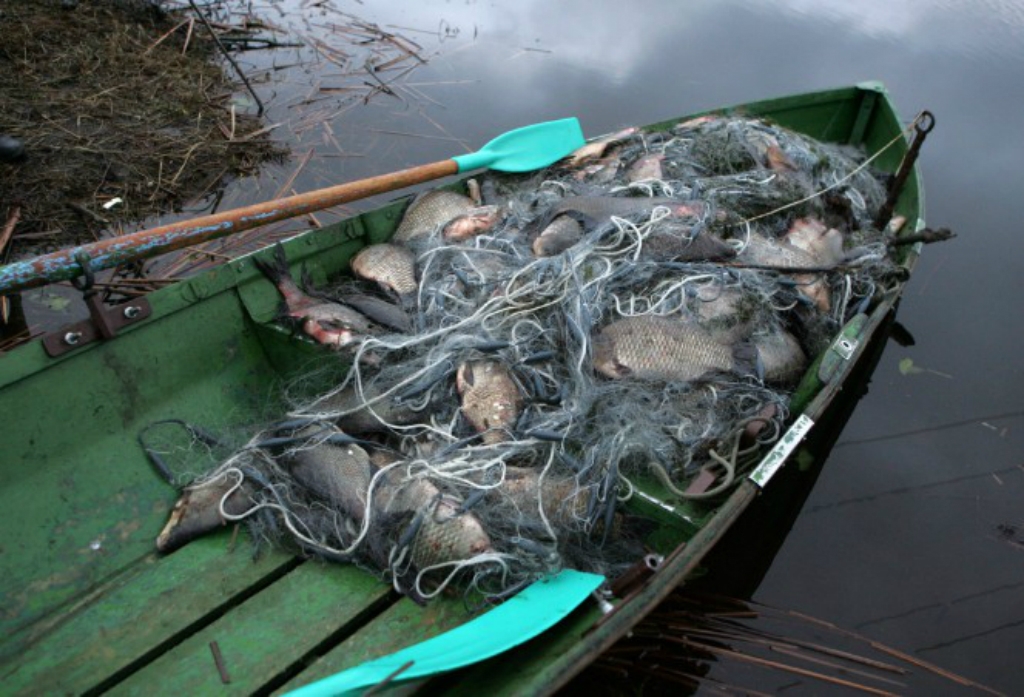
(746, 360)
(536, 226)
(277, 270)
(306, 280)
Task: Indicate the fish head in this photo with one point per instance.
(325, 333)
(596, 148)
(606, 360)
(475, 222)
(490, 397)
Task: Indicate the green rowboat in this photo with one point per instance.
(88, 604)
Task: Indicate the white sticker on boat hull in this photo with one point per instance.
(778, 455)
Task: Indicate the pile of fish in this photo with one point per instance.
(520, 358)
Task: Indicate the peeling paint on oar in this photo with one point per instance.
(520, 150)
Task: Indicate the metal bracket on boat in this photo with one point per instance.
(846, 346)
(842, 350)
(103, 323)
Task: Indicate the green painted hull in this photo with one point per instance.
(87, 603)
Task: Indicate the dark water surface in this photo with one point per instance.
(914, 534)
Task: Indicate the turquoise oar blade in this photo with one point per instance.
(530, 613)
(526, 149)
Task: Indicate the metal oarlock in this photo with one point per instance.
(103, 323)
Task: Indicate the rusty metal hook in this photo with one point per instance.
(923, 125)
(924, 116)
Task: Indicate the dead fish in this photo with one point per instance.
(661, 348)
(600, 208)
(646, 167)
(682, 244)
(490, 398)
(596, 148)
(782, 360)
(592, 211)
(761, 251)
(430, 211)
(378, 310)
(445, 533)
(392, 266)
(368, 414)
(777, 160)
(197, 511)
(559, 235)
(725, 312)
(338, 474)
(767, 149)
(817, 239)
(559, 495)
(474, 222)
(329, 323)
(602, 171)
(694, 123)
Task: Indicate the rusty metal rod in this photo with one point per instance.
(923, 125)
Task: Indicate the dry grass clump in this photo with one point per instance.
(113, 98)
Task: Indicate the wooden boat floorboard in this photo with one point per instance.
(150, 606)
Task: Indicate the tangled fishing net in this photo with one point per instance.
(505, 435)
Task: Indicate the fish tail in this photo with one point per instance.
(280, 275)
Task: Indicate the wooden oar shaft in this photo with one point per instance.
(105, 254)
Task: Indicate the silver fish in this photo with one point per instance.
(600, 208)
(367, 414)
(661, 348)
(430, 211)
(646, 167)
(562, 501)
(559, 235)
(445, 533)
(761, 251)
(596, 148)
(782, 359)
(490, 398)
(381, 311)
(197, 511)
(329, 323)
(814, 237)
(390, 265)
(592, 211)
(681, 243)
(339, 474)
(474, 222)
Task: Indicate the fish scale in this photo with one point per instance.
(659, 348)
(429, 211)
(339, 474)
(390, 265)
(445, 534)
(490, 398)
